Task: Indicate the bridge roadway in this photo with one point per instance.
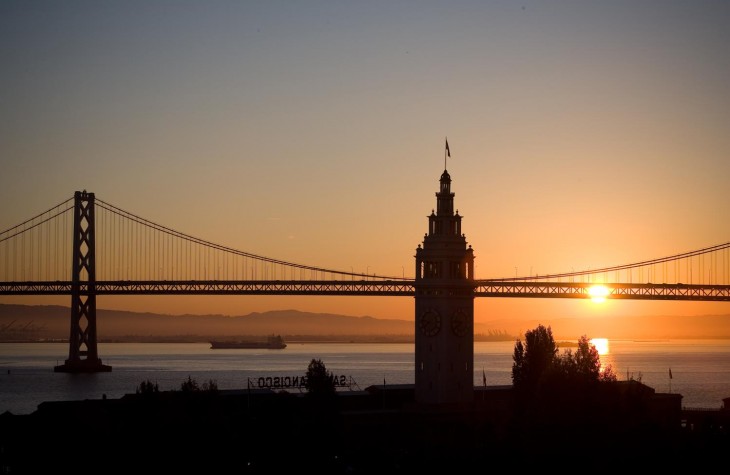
(403, 288)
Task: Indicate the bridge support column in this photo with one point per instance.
(83, 356)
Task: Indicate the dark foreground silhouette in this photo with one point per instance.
(379, 430)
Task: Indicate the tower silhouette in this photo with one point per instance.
(444, 305)
(83, 355)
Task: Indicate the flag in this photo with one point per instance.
(448, 152)
(670, 373)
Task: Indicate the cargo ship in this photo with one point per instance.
(271, 343)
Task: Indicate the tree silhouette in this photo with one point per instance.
(191, 385)
(556, 392)
(319, 381)
(537, 361)
(147, 387)
(584, 365)
(533, 358)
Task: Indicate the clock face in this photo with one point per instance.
(430, 322)
(460, 323)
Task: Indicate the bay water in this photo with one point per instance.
(699, 370)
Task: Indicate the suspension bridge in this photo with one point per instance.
(84, 247)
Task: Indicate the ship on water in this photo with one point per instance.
(274, 342)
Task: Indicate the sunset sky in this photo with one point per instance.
(583, 134)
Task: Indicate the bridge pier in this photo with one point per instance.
(82, 366)
(82, 339)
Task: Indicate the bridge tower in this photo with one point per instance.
(82, 340)
(444, 294)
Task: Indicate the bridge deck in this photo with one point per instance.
(403, 288)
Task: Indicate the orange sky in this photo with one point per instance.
(582, 134)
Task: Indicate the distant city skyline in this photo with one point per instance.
(581, 134)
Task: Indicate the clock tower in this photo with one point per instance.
(444, 293)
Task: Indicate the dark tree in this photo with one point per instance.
(518, 365)
(319, 381)
(533, 358)
(587, 360)
(147, 387)
(555, 393)
(582, 366)
(189, 385)
(588, 363)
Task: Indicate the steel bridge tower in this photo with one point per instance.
(444, 295)
(82, 340)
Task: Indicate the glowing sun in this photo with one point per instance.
(598, 293)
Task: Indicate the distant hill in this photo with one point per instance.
(52, 322)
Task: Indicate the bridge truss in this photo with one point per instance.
(385, 288)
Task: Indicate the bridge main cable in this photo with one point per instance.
(604, 270)
(192, 239)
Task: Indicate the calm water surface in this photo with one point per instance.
(700, 368)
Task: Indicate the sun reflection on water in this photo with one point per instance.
(601, 345)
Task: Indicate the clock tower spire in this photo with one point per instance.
(444, 294)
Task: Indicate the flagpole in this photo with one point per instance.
(446, 150)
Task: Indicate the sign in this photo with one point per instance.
(298, 382)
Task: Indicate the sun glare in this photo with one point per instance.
(601, 345)
(598, 293)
